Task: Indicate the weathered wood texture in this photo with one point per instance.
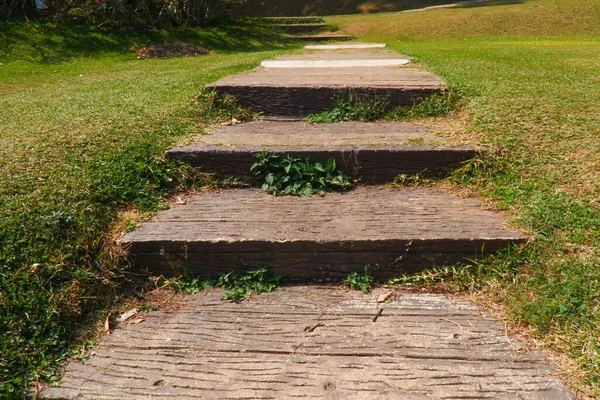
(423, 346)
(374, 153)
(318, 238)
(298, 92)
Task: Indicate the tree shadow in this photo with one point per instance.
(337, 7)
(50, 43)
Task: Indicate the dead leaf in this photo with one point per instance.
(180, 200)
(107, 324)
(136, 320)
(384, 297)
(126, 315)
(234, 121)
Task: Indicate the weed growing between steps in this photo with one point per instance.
(362, 281)
(366, 108)
(353, 106)
(297, 177)
(236, 286)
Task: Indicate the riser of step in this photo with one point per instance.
(319, 237)
(299, 102)
(323, 37)
(302, 28)
(370, 166)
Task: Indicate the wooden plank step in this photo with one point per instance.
(295, 20)
(342, 46)
(423, 346)
(372, 152)
(302, 28)
(323, 37)
(318, 238)
(299, 92)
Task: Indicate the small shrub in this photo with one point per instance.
(297, 177)
(362, 281)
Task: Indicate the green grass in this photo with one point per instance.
(528, 75)
(83, 125)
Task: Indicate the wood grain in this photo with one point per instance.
(423, 346)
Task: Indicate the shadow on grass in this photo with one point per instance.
(50, 43)
(337, 7)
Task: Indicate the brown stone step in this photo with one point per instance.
(371, 152)
(323, 37)
(318, 238)
(302, 28)
(297, 92)
(423, 346)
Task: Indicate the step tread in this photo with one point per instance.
(364, 214)
(422, 346)
(346, 54)
(322, 36)
(294, 134)
(334, 78)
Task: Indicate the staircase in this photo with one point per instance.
(308, 29)
(318, 341)
(323, 238)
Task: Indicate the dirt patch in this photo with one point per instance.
(176, 49)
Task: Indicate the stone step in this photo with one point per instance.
(294, 20)
(297, 92)
(302, 28)
(313, 342)
(318, 238)
(345, 46)
(371, 152)
(323, 37)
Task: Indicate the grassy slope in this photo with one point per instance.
(530, 75)
(82, 126)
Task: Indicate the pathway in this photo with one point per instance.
(319, 341)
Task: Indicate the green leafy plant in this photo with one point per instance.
(293, 176)
(362, 281)
(238, 287)
(192, 284)
(353, 106)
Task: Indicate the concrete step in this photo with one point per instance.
(323, 37)
(371, 152)
(302, 28)
(294, 20)
(297, 92)
(318, 238)
(422, 346)
(345, 46)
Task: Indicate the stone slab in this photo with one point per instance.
(316, 238)
(422, 346)
(372, 152)
(333, 63)
(342, 46)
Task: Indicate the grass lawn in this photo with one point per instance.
(530, 74)
(83, 125)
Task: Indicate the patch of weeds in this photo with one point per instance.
(191, 284)
(294, 176)
(362, 281)
(353, 106)
(433, 106)
(214, 107)
(411, 180)
(238, 287)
